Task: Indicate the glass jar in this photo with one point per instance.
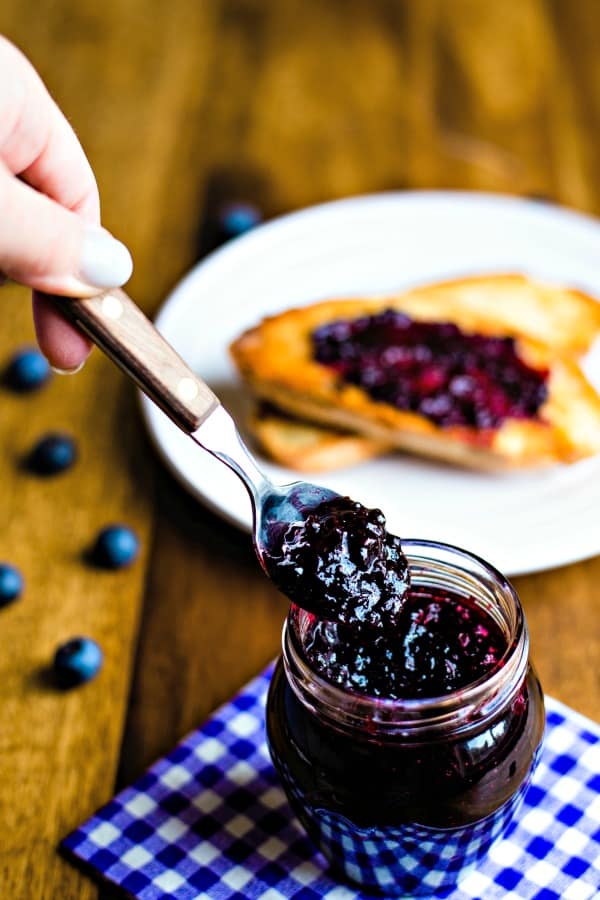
(405, 796)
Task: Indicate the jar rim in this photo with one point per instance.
(459, 709)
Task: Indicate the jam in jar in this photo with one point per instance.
(406, 754)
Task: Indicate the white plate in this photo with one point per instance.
(521, 522)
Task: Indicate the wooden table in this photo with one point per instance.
(285, 104)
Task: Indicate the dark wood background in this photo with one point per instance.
(282, 103)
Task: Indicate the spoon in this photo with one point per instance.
(121, 330)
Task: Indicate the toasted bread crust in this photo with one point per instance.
(563, 318)
(307, 447)
(276, 360)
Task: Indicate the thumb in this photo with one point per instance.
(48, 248)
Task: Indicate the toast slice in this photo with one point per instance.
(305, 446)
(551, 326)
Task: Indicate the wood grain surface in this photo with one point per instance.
(285, 104)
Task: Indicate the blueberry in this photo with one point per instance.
(238, 218)
(52, 454)
(11, 584)
(116, 547)
(77, 661)
(27, 371)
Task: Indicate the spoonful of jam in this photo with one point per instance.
(341, 564)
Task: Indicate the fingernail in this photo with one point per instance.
(72, 371)
(105, 262)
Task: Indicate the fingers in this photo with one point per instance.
(37, 142)
(51, 249)
(64, 347)
(62, 171)
(42, 244)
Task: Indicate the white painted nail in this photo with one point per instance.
(73, 371)
(105, 262)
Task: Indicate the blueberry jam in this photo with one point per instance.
(369, 632)
(405, 740)
(440, 642)
(341, 564)
(433, 368)
(403, 814)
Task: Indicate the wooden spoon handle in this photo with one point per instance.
(119, 327)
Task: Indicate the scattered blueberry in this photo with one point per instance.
(27, 371)
(52, 454)
(238, 218)
(116, 547)
(77, 661)
(11, 584)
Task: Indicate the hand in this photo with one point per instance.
(50, 234)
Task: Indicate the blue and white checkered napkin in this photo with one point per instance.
(210, 820)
